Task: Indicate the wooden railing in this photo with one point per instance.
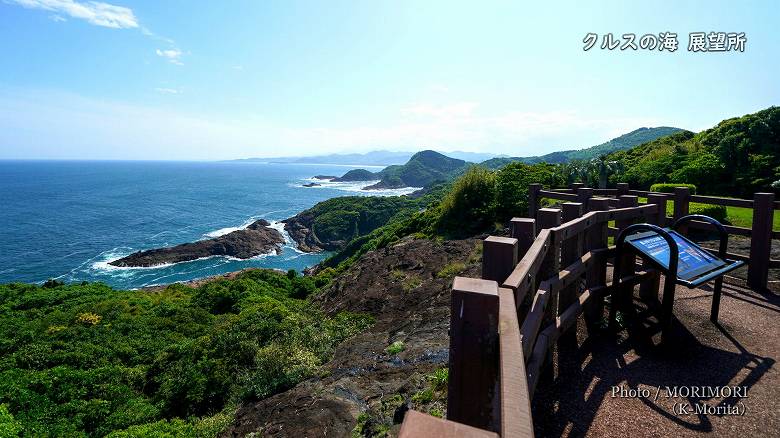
(763, 205)
(504, 326)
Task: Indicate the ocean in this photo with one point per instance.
(66, 220)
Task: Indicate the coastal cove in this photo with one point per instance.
(67, 220)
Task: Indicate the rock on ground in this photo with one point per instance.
(365, 387)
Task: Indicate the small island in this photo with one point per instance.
(256, 239)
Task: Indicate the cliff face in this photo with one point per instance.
(252, 241)
(331, 224)
(369, 385)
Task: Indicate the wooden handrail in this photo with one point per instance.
(515, 402)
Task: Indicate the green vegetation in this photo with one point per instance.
(345, 218)
(358, 175)
(88, 360)
(451, 269)
(738, 157)
(469, 206)
(625, 141)
(669, 187)
(411, 283)
(395, 348)
(424, 169)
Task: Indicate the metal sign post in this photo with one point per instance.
(679, 259)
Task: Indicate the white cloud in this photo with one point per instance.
(172, 55)
(57, 18)
(93, 12)
(56, 125)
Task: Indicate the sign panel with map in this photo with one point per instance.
(692, 262)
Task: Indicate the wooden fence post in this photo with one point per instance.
(682, 199)
(551, 265)
(533, 199)
(596, 239)
(583, 197)
(576, 186)
(622, 189)
(571, 251)
(626, 201)
(524, 230)
(761, 240)
(474, 353)
(628, 262)
(660, 201)
(649, 288)
(499, 258)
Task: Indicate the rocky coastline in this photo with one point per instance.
(256, 239)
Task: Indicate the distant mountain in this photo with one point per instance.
(738, 157)
(373, 158)
(422, 170)
(625, 141)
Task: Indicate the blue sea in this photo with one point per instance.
(67, 220)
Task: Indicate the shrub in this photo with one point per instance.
(9, 427)
(469, 206)
(669, 187)
(88, 318)
(717, 212)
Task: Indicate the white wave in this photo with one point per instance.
(356, 187)
(228, 230)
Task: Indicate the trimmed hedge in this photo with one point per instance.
(717, 212)
(669, 187)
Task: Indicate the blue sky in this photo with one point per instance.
(180, 79)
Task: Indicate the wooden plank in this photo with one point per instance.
(739, 231)
(533, 321)
(575, 226)
(571, 273)
(515, 408)
(571, 252)
(558, 195)
(528, 267)
(537, 359)
(729, 202)
(473, 361)
(416, 425)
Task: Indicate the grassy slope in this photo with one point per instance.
(88, 360)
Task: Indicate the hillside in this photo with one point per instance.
(87, 360)
(738, 157)
(423, 169)
(625, 141)
(333, 223)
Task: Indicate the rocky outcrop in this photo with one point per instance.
(324, 177)
(367, 387)
(300, 229)
(258, 238)
(312, 184)
(357, 175)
